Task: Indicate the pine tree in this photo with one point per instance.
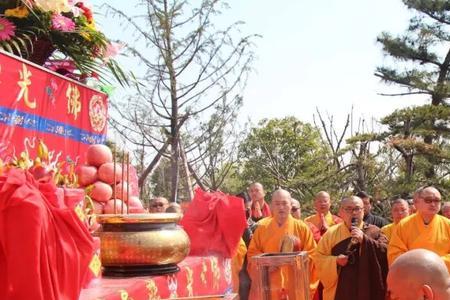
(422, 64)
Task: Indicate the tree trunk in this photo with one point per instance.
(153, 164)
(409, 166)
(187, 181)
(174, 115)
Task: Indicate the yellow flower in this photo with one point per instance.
(18, 12)
(91, 25)
(88, 30)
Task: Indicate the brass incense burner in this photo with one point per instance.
(142, 244)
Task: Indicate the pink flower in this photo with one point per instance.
(6, 29)
(62, 23)
(112, 49)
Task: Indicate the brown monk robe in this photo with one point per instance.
(352, 271)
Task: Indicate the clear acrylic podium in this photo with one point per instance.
(282, 276)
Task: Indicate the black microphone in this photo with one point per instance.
(354, 224)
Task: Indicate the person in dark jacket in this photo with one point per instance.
(370, 218)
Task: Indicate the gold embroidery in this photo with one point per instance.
(152, 290)
(80, 213)
(24, 82)
(203, 273)
(97, 113)
(123, 295)
(216, 271)
(95, 265)
(189, 281)
(73, 100)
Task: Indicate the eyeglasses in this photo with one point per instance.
(429, 200)
(350, 210)
(294, 209)
(157, 205)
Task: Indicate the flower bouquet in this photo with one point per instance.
(63, 30)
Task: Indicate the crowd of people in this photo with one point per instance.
(354, 254)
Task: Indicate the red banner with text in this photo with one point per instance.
(38, 104)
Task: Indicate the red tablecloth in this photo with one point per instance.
(198, 276)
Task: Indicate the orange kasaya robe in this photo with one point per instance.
(267, 239)
(330, 219)
(412, 233)
(236, 264)
(369, 266)
(387, 230)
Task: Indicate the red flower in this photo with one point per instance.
(86, 11)
(6, 29)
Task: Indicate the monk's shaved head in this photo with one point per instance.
(281, 193)
(255, 184)
(350, 199)
(322, 202)
(399, 210)
(256, 192)
(351, 208)
(322, 194)
(281, 205)
(399, 202)
(427, 202)
(296, 211)
(446, 209)
(419, 274)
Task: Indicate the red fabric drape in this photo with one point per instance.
(214, 222)
(44, 247)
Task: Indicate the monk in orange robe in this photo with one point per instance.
(296, 212)
(425, 229)
(268, 237)
(236, 264)
(259, 207)
(350, 258)
(399, 210)
(323, 218)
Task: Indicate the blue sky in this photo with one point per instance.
(313, 53)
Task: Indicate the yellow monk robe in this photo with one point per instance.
(387, 230)
(267, 239)
(411, 233)
(236, 264)
(329, 218)
(325, 262)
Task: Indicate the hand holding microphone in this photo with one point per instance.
(357, 237)
(356, 232)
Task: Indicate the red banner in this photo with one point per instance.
(36, 103)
